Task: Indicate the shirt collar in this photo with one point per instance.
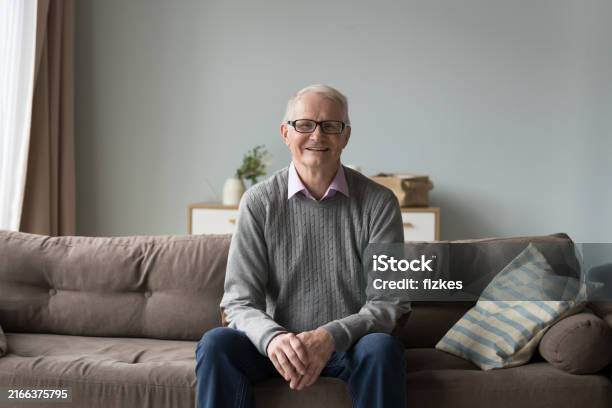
(296, 185)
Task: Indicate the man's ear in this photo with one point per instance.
(347, 136)
(284, 132)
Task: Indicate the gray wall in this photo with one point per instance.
(507, 105)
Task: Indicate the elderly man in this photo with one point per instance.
(294, 289)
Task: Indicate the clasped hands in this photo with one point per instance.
(299, 358)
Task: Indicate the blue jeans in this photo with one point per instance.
(227, 364)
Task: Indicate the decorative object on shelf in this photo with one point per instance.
(233, 189)
(253, 166)
(411, 190)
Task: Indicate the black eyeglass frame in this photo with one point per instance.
(320, 125)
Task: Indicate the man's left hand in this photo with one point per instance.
(319, 345)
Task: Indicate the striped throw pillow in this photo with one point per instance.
(513, 313)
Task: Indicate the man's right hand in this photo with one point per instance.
(289, 356)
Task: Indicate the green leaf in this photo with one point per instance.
(253, 164)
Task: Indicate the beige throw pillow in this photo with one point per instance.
(513, 313)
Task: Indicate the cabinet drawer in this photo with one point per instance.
(213, 221)
(419, 226)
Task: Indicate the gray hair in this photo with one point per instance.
(324, 90)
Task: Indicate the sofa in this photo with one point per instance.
(117, 321)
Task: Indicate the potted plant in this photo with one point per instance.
(253, 166)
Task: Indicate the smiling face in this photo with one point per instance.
(317, 150)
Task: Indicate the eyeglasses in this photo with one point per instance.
(334, 127)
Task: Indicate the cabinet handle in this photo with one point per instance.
(232, 220)
(408, 225)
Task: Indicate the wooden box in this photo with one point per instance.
(411, 190)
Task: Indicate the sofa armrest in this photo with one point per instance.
(3, 343)
(579, 344)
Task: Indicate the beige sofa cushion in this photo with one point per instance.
(166, 287)
(106, 371)
(122, 372)
(109, 372)
(438, 379)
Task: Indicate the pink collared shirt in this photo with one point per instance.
(338, 184)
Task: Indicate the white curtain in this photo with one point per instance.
(17, 51)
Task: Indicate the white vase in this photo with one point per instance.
(233, 189)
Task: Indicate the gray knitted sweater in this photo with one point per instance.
(296, 265)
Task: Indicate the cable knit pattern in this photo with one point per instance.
(295, 265)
